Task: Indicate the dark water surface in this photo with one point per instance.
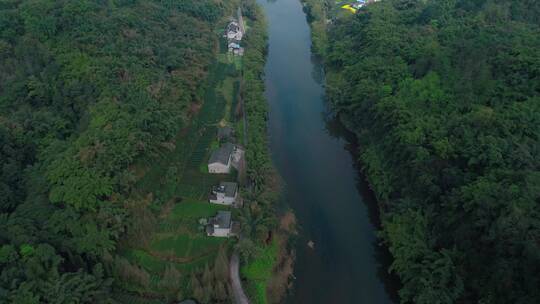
(310, 149)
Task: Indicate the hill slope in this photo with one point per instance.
(86, 88)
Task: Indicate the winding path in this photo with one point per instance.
(234, 272)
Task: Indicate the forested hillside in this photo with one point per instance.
(86, 88)
(445, 99)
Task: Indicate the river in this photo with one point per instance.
(333, 206)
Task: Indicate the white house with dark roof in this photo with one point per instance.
(220, 225)
(224, 194)
(221, 159)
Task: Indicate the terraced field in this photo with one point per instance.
(179, 177)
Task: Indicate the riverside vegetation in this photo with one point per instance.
(264, 249)
(107, 111)
(444, 97)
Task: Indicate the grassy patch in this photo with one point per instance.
(239, 131)
(237, 60)
(191, 209)
(144, 259)
(188, 213)
(259, 271)
(180, 243)
(256, 291)
(230, 58)
(224, 58)
(203, 168)
(186, 246)
(261, 267)
(227, 89)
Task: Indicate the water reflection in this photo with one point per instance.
(318, 69)
(313, 156)
(381, 254)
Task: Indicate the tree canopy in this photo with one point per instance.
(445, 99)
(86, 88)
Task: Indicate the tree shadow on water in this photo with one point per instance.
(384, 259)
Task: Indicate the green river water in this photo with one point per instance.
(314, 155)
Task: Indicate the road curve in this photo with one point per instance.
(234, 273)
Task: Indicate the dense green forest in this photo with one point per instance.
(445, 99)
(87, 88)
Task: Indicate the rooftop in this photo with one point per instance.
(221, 220)
(222, 154)
(229, 188)
(233, 27)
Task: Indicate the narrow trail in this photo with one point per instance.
(234, 273)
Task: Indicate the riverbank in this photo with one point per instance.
(266, 258)
(317, 17)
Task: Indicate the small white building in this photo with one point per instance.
(220, 225)
(361, 3)
(234, 31)
(221, 159)
(233, 45)
(236, 49)
(224, 194)
(237, 36)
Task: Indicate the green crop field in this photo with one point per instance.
(193, 210)
(185, 246)
(194, 145)
(185, 216)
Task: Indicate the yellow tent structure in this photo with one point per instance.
(349, 8)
